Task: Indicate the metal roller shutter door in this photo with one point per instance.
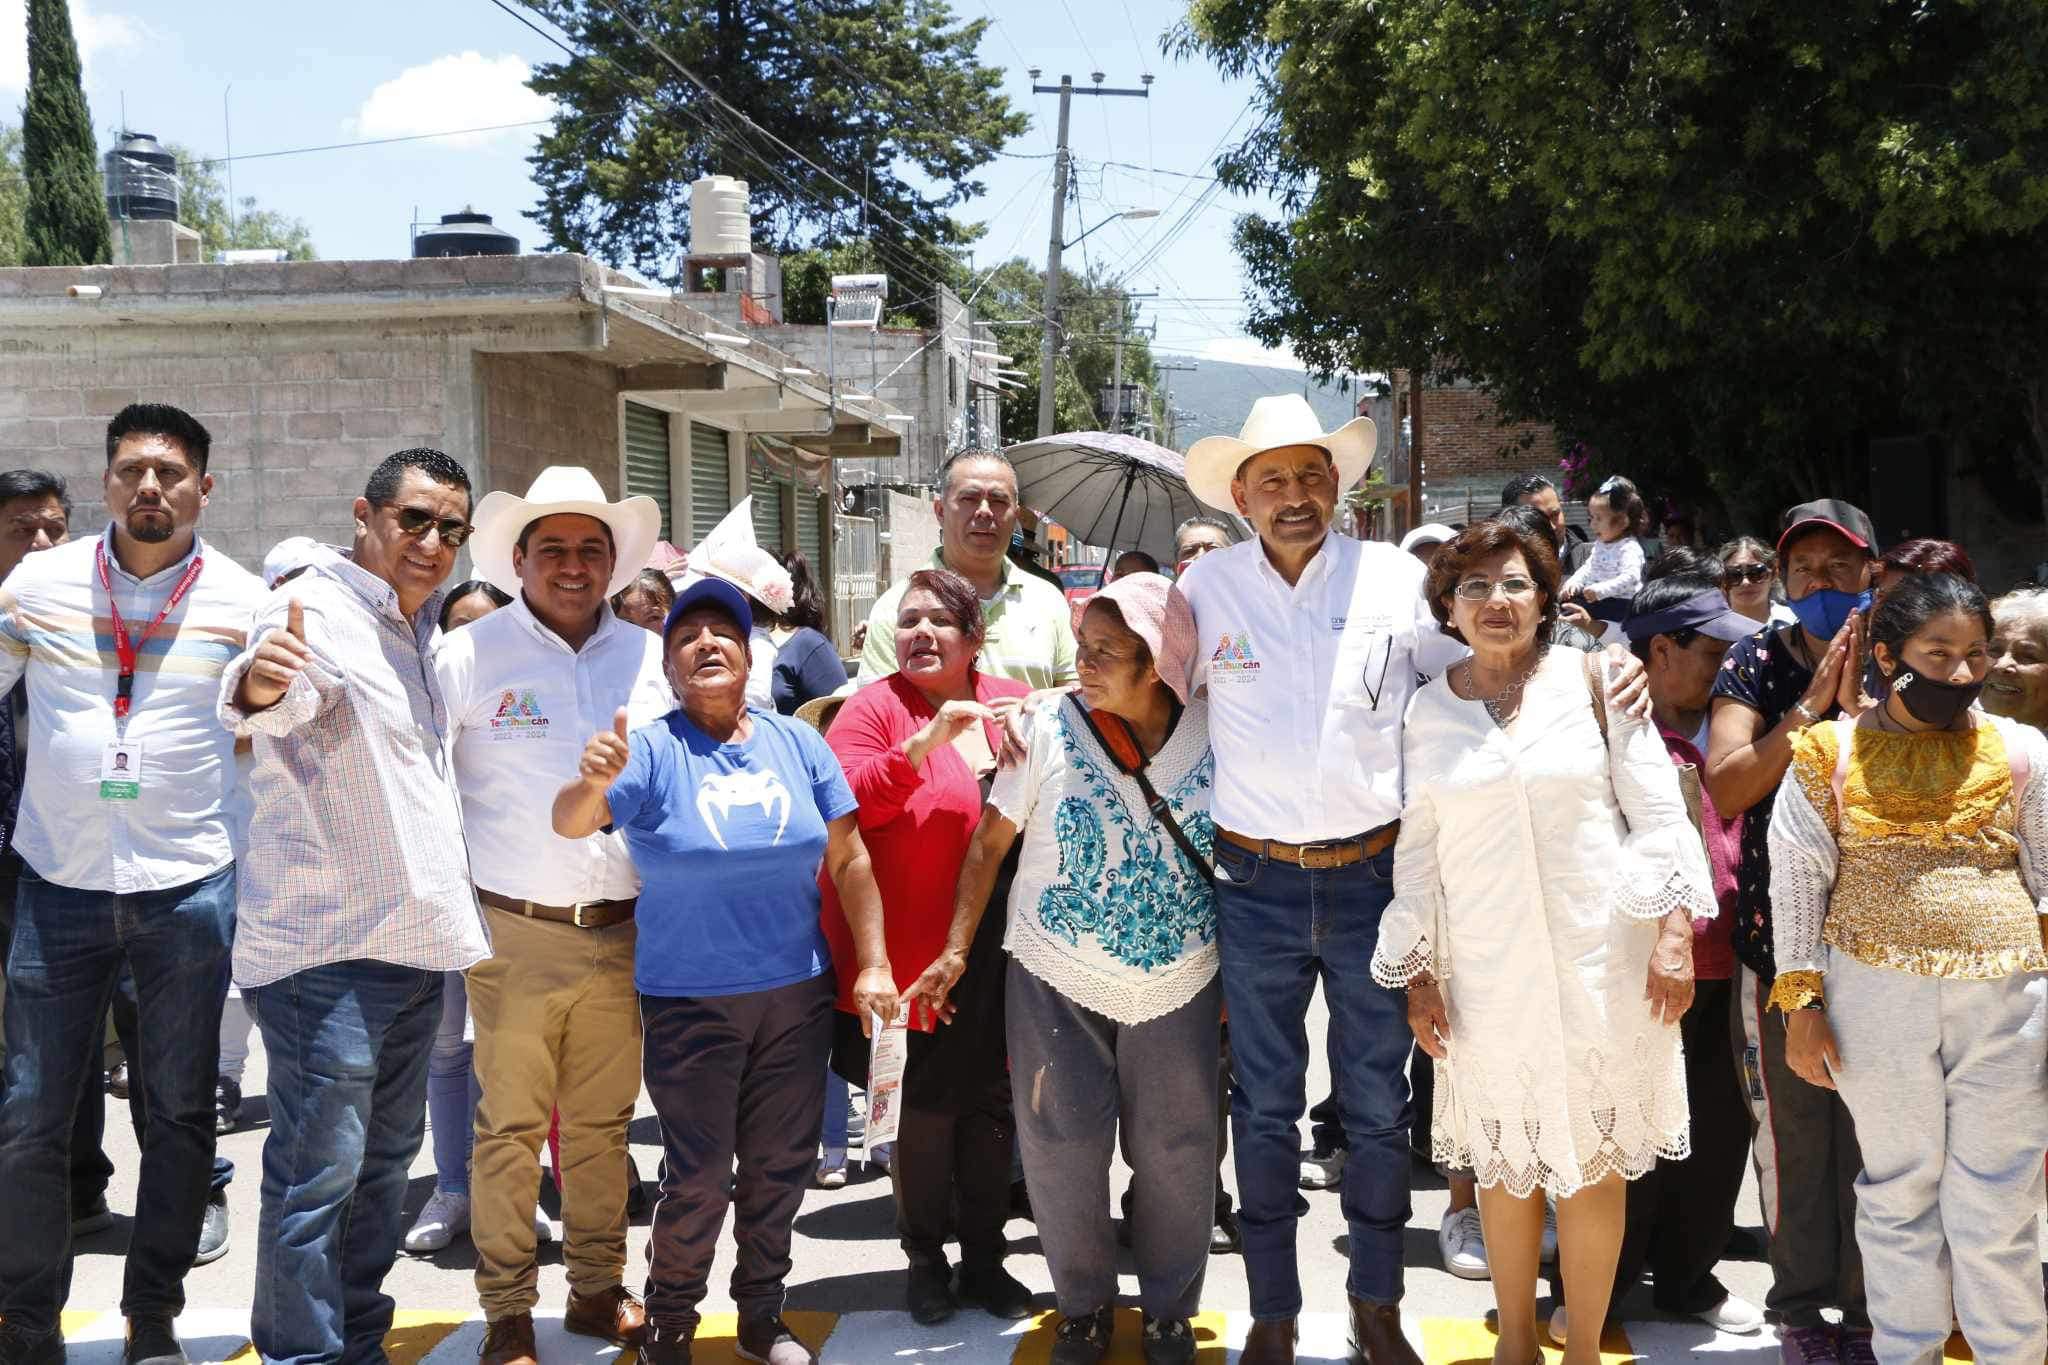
(710, 484)
(767, 491)
(647, 473)
(810, 530)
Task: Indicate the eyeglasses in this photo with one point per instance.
(1479, 590)
(1746, 573)
(415, 521)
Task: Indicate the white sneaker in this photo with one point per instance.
(1560, 1325)
(1322, 1169)
(1463, 1243)
(543, 1230)
(445, 1218)
(832, 1169)
(1734, 1314)
(1549, 1254)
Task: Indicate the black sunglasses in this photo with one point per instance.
(414, 522)
(1746, 573)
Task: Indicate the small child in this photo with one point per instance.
(1613, 573)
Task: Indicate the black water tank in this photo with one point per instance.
(142, 179)
(464, 234)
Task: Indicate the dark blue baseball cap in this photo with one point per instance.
(1706, 613)
(713, 590)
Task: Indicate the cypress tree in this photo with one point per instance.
(66, 218)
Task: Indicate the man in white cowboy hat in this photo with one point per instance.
(1310, 645)
(1029, 625)
(557, 1020)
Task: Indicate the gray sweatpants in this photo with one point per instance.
(1948, 1081)
(1077, 1077)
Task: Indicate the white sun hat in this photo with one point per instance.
(731, 552)
(1280, 420)
(561, 488)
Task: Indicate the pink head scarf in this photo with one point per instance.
(1155, 611)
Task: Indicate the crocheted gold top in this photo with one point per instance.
(1926, 858)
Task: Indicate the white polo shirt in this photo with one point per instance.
(1308, 684)
(521, 705)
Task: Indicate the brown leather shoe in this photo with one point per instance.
(1270, 1343)
(1376, 1336)
(509, 1341)
(614, 1316)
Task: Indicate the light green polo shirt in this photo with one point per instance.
(1030, 631)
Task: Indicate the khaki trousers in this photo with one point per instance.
(557, 1027)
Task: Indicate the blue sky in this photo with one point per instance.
(297, 75)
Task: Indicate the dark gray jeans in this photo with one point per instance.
(1079, 1078)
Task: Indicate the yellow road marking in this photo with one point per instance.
(75, 1321)
(416, 1331)
(1471, 1341)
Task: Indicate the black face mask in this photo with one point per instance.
(1934, 703)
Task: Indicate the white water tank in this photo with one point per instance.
(719, 221)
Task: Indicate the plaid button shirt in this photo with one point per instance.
(355, 846)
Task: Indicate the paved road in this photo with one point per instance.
(847, 1287)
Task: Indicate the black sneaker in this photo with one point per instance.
(1083, 1340)
(995, 1291)
(152, 1342)
(117, 1081)
(664, 1347)
(930, 1294)
(94, 1217)
(19, 1346)
(213, 1230)
(1168, 1341)
(770, 1342)
(227, 1106)
(639, 1204)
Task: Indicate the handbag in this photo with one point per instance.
(1121, 745)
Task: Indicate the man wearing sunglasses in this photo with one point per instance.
(355, 898)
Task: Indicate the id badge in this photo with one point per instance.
(121, 771)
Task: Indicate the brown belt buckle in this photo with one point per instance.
(1322, 857)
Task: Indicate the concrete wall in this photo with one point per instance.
(913, 535)
(299, 414)
(541, 410)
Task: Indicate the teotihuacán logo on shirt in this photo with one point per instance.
(519, 713)
(1234, 656)
(722, 792)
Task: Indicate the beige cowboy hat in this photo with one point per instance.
(560, 488)
(1280, 420)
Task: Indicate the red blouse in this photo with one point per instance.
(916, 822)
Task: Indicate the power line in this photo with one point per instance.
(365, 142)
(535, 27)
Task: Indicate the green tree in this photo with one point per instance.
(13, 196)
(1090, 310)
(65, 219)
(203, 207)
(887, 95)
(1719, 242)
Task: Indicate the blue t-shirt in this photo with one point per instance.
(728, 839)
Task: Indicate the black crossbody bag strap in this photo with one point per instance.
(1161, 810)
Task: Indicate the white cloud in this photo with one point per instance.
(95, 32)
(1248, 351)
(461, 90)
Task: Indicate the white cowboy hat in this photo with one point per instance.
(560, 488)
(1281, 420)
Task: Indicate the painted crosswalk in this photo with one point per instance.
(444, 1337)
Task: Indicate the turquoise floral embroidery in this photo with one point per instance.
(1144, 910)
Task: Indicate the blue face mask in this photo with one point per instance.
(1825, 611)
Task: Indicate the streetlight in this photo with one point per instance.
(1052, 296)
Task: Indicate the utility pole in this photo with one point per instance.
(1116, 382)
(1049, 352)
(1166, 396)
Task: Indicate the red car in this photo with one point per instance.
(1082, 581)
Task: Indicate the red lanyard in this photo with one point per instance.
(125, 650)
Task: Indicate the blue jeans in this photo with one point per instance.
(452, 1090)
(1279, 927)
(348, 1045)
(836, 1099)
(68, 952)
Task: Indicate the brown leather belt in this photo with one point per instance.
(1319, 857)
(584, 914)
